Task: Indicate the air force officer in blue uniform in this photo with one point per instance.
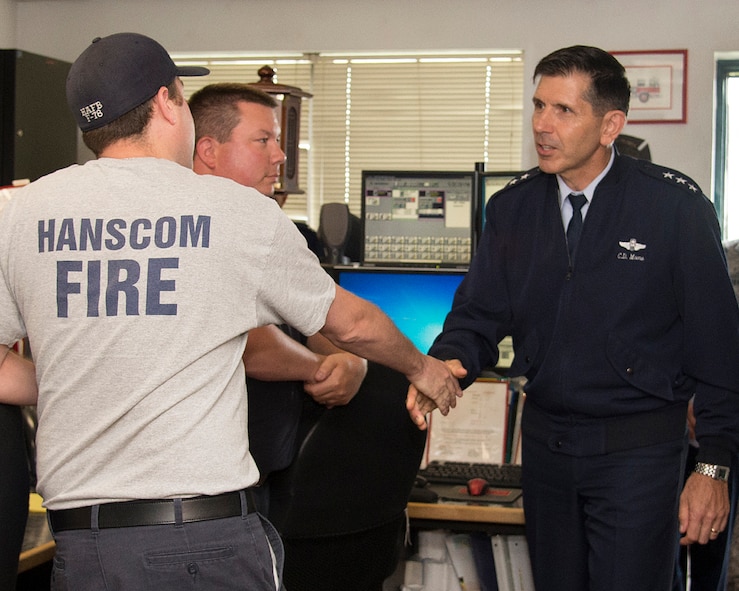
(614, 334)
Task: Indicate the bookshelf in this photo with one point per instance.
(454, 548)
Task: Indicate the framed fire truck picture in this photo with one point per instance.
(658, 81)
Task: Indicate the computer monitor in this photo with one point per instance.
(418, 218)
(417, 300)
(490, 183)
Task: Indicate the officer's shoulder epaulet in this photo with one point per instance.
(667, 175)
(520, 179)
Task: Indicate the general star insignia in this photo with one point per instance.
(515, 180)
(632, 245)
(679, 180)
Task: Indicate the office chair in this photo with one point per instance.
(340, 232)
(342, 515)
(636, 147)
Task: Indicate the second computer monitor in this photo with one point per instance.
(418, 218)
(490, 183)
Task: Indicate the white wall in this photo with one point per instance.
(63, 28)
(7, 24)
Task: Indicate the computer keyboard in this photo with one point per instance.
(497, 475)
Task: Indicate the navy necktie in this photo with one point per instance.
(574, 228)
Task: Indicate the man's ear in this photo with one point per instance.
(165, 105)
(205, 151)
(613, 124)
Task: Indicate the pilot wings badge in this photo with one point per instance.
(632, 245)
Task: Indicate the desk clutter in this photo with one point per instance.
(461, 493)
(473, 455)
(484, 430)
(468, 562)
(475, 490)
(496, 475)
(35, 503)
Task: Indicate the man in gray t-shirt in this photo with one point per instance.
(137, 282)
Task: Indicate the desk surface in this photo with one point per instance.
(38, 545)
(490, 513)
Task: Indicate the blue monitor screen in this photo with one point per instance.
(417, 300)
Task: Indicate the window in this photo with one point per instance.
(390, 112)
(726, 168)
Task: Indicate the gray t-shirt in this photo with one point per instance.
(136, 282)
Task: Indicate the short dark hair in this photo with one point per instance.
(609, 87)
(128, 125)
(215, 107)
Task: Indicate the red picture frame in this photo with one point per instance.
(659, 84)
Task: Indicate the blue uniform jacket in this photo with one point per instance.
(645, 316)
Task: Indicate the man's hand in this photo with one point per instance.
(704, 509)
(419, 404)
(337, 380)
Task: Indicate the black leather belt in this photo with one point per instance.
(155, 512)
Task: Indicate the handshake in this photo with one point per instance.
(440, 392)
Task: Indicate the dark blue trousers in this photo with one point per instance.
(602, 522)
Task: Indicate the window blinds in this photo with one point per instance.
(390, 112)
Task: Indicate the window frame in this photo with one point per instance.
(725, 68)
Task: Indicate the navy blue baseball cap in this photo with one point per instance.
(116, 74)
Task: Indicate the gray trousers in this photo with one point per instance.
(243, 552)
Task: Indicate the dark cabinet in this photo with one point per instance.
(37, 132)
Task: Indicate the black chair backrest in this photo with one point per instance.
(356, 467)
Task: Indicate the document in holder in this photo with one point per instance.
(475, 430)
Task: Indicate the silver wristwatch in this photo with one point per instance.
(714, 471)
